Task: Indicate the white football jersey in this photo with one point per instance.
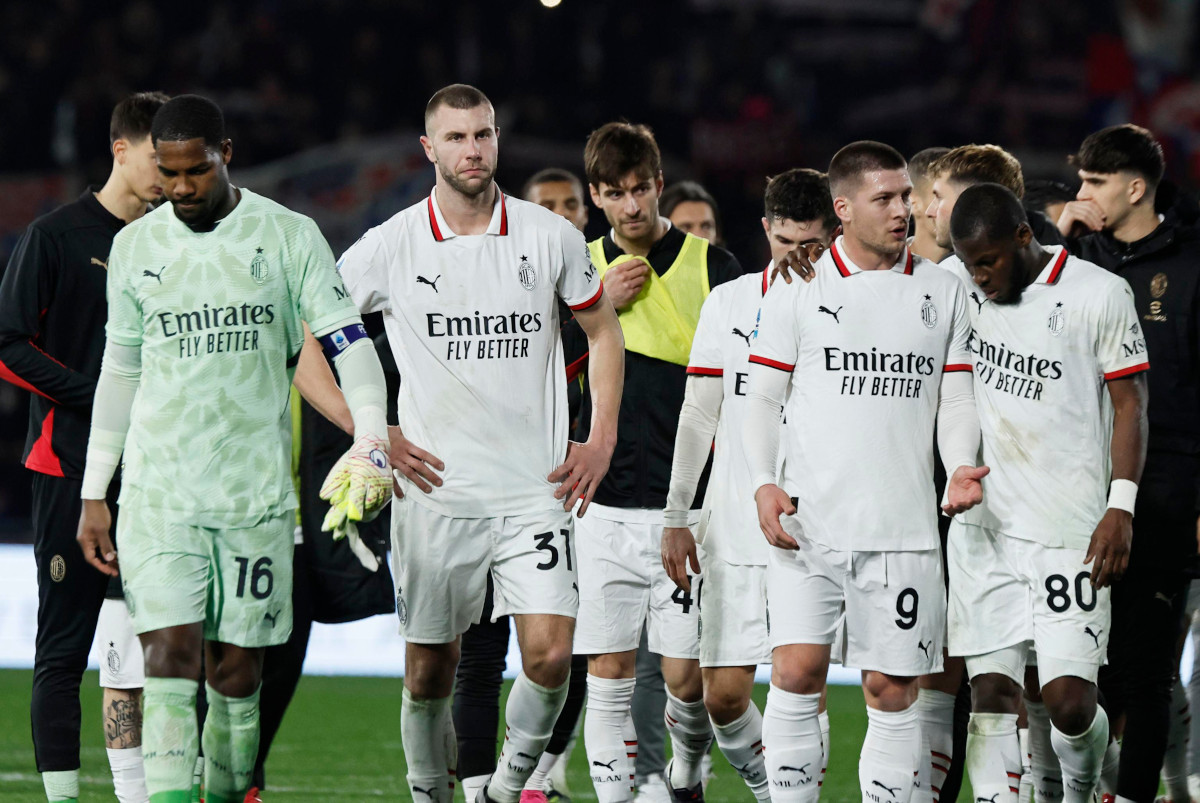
(724, 336)
(866, 351)
(1040, 370)
(473, 324)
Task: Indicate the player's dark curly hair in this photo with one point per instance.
(189, 117)
(800, 194)
(991, 210)
(1122, 147)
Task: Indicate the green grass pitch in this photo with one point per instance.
(340, 741)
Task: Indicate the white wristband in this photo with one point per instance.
(1122, 494)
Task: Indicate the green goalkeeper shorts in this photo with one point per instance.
(238, 582)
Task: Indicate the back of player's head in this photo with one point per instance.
(551, 175)
(683, 192)
(855, 160)
(800, 194)
(189, 117)
(980, 164)
(455, 96)
(614, 150)
(1122, 148)
(1041, 193)
(132, 117)
(990, 210)
(920, 164)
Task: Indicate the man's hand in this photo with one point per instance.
(799, 261)
(679, 550)
(964, 490)
(774, 502)
(580, 474)
(1081, 217)
(1109, 550)
(624, 280)
(413, 462)
(95, 522)
(358, 485)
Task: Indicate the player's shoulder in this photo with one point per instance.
(1090, 281)
(288, 219)
(154, 220)
(938, 275)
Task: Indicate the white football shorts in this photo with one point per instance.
(121, 665)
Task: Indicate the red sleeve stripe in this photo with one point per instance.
(42, 457)
(782, 366)
(590, 301)
(958, 366)
(576, 368)
(696, 369)
(1133, 369)
(7, 374)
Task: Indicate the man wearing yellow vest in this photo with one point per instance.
(658, 278)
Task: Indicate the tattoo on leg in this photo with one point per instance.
(123, 723)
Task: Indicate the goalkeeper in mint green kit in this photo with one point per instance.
(206, 296)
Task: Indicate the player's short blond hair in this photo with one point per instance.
(981, 164)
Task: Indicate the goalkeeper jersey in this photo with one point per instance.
(217, 317)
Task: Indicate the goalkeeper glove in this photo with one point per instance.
(357, 488)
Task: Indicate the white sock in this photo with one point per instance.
(473, 786)
(793, 753)
(1174, 771)
(61, 785)
(540, 777)
(1110, 768)
(1026, 785)
(922, 793)
(423, 732)
(741, 743)
(1047, 772)
(994, 757)
(937, 723)
(129, 775)
(823, 721)
(609, 738)
(529, 718)
(1081, 757)
(891, 750)
(691, 738)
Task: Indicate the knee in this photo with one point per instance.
(549, 666)
(797, 679)
(164, 659)
(429, 670)
(1072, 713)
(889, 693)
(724, 705)
(238, 676)
(995, 694)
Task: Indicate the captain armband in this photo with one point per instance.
(337, 341)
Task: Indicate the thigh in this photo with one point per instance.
(250, 601)
(989, 599)
(121, 664)
(534, 568)
(1071, 619)
(614, 589)
(805, 594)
(165, 569)
(895, 613)
(673, 616)
(732, 599)
(440, 566)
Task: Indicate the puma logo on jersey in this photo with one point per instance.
(1095, 635)
(1160, 595)
(433, 284)
(155, 275)
(271, 617)
(95, 261)
(606, 765)
(890, 790)
(742, 334)
(828, 311)
(924, 647)
(978, 301)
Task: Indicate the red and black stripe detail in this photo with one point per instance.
(781, 366)
(1124, 372)
(1056, 271)
(590, 302)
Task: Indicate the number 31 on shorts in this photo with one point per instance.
(544, 542)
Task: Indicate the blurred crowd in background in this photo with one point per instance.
(735, 90)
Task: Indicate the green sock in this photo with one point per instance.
(169, 738)
(230, 746)
(61, 785)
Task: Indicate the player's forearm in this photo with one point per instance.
(693, 443)
(606, 370)
(318, 386)
(1130, 427)
(957, 422)
(120, 373)
(760, 433)
(364, 388)
(26, 366)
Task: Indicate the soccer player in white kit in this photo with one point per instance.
(468, 281)
(731, 594)
(867, 354)
(1059, 357)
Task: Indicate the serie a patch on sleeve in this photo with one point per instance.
(339, 340)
